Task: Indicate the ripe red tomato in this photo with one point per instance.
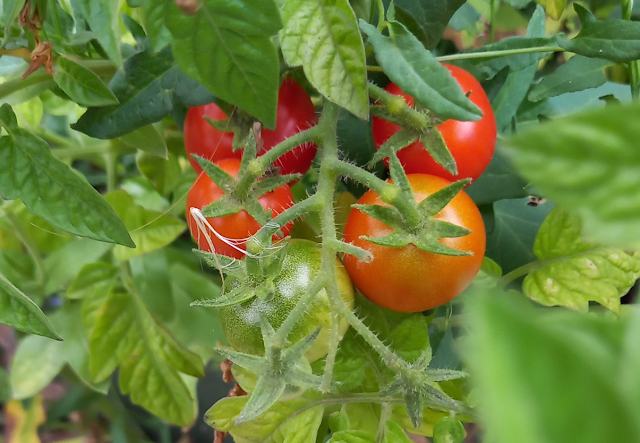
(471, 143)
(295, 113)
(408, 279)
(237, 227)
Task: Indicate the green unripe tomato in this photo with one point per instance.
(301, 265)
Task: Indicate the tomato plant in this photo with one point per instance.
(231, 231)
(471, 143)
(494, 261)
(408, 279)
(295, 113)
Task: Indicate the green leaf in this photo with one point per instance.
(145, 352)
(92, 278)
(339, 421)
(517, 84)
(36, 363)
(448, 430)
(147, 139)
(426, 19)
(149, 230)
(498, 182)
(39, 360)
(322, 36)
(227, 48)
(395, 434)
(148, 87)
(62, 266)
(543, 359)
(158, 33)
(350, 437)
(10, 11)
(418, 73)
(516, 225)
(488, 275)
(573, 272)
(102, 17)
(577, 74)
(199, 329)
(50, 189)
(410, 339)
(82, 85)
(598, 148)
(613, 39)
(291, 420)
(19, 311)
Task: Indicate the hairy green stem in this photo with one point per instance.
(259, 165)
(334, 342)
(23, 236)
(504, 53)
(399, 108)
(280, 337)
(385, 415)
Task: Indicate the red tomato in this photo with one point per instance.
(408, 279)
(471, 143)
(295, 113)
(237, 227)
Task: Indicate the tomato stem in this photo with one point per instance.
(400, 109)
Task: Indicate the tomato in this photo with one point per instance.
(238, 226)
(471, 143)
(408, 279)
(295, 113)
(301, 265)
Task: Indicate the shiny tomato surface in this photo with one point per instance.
(472, 144)
(408, 279)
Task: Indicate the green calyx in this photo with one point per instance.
(412, 222)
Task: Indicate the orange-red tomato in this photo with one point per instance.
(294, 114)
(471, 143)
(408, 279)
(237, 227)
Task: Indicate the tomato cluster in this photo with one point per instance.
(404, 279)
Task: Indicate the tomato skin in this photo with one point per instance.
(408, 279)
(472, 144)
(237, 226)
(203, 139)
(302, 263)
(295, 113)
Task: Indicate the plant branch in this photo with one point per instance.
(399, 108)
(503, 53)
